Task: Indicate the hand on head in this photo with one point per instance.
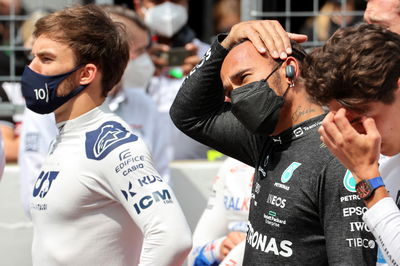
(266, 36)
(357, 151)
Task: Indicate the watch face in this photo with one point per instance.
(363, 189)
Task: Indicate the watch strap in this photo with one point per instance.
(376, 182)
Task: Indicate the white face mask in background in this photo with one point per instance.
(138, 72)
(166, 19)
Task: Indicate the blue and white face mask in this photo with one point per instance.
(40, 91)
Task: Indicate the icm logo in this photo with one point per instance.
(128, 192)
(43, 183)
(349, 181)
(287, 174)
(148, 200)
(106, 138)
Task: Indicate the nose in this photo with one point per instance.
(34, 65)
(367, 14)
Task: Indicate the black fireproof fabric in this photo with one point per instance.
(304, 209)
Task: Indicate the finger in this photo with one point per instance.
(257, 39)
(372, 131)
(191, 60)
(192, 48)
(331, 129)
(297, 37)
(282, 42)
(237, 237)
(271, 38)
(343, 124)
(326, 139)
(228, 243)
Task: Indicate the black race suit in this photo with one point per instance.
(304, 210)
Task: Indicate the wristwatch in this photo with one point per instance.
(366, 187)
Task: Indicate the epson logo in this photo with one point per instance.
(354, 210)
(148, 200)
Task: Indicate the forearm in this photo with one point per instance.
(383, 219)
(200, 111)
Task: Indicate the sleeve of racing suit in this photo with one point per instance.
(151, 204)
(199, 110)
(235, 256)
(37, 133)
(212, 227)
(384, 221)
(348, 241)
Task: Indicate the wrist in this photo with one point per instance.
(368, 173)
(378, 194)
(367, 187)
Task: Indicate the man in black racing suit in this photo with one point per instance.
(301, 213)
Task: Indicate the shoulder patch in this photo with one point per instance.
(106, 138)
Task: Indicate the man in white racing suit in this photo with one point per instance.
(98, 199)
(219, 237)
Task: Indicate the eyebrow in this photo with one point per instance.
(237, 75)
(45, 53)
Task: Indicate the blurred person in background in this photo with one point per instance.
(168, 23)
(129, 99)
(219, 237)
(326, 24)
(226, 14)
(10, 91)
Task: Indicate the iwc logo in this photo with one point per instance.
(349, 181)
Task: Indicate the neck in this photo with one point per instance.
(296, 109)
(79, 105)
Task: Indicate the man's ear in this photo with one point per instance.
(88, 74)
(291, 70)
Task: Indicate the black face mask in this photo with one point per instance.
(257, 106)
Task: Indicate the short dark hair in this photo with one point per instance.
(357, 65)
(93, 37)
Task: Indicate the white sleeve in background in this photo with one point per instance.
(2, 157)
(235, 257)
(37, 133)
(384, 221)
(227, 211)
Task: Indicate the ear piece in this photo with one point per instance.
(290, 72)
